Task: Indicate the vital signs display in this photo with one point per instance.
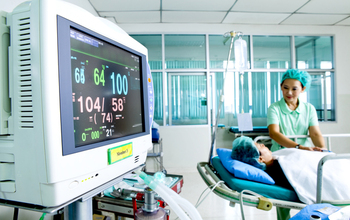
(106, 91)
(104, 84)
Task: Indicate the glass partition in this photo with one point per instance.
(219, 48)
(314, 52)
(158, 97)
(274, 84)
(321, 95)
(182, 100)
(272, 52)
(187, 99)
(185, 51)
(153, 43)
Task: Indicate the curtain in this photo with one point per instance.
(188, 98)
(158, 96)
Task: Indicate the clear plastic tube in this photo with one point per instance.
(185, 205)
(172, 198)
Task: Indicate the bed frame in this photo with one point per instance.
(212, 178)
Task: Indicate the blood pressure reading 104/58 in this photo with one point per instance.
(106, 90)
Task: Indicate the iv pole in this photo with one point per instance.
(231, 35)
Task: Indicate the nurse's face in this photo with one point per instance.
(265, 154)
(291, 89)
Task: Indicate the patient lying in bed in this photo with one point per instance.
(292, 168)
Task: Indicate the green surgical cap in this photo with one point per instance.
(244, 149)
(303, 76)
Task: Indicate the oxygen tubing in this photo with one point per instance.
(172, 198)
(185, 204)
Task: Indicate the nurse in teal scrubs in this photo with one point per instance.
(291, 116)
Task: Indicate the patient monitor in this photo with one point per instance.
(76, 103)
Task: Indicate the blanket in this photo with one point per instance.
(300, 168)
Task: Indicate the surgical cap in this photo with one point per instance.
(244, 149)
(303, 76)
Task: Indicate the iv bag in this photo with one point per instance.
(240, 54)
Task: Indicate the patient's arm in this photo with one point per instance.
(316, 136)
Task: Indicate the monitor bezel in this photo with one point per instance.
(65, 88)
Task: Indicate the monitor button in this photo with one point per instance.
(73, 184)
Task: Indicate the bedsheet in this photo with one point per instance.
(300, 168)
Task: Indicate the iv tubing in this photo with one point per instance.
(233, 34)
(172, 198)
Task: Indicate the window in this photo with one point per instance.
(219, 48)
(248, 92)
(187, 99)
(229, 106)
(185, 51)
(320, 95)
(158, 97)
(154, 45)
(190, 60)
(272, 52)
(314, 52)
(275, 89)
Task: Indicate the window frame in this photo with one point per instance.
(208, 70)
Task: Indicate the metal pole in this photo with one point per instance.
(320, 172)
(79, 210)
(232, 35)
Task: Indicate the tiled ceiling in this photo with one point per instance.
(275, 12)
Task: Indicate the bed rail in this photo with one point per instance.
(211, 179)
(321, 163)
(320, 174)
(296, 137)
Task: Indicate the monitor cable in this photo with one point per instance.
(212, 187)
(15, 213)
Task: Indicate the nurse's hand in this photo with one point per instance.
(310, 148)
(316, 149)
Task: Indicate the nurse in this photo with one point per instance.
(291, 116)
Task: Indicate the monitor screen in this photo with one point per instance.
(104, 83)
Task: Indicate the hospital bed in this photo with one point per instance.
(263, 196)
(257, 131)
